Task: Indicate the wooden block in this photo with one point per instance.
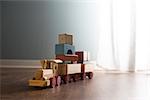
(62, 49)
(67, 62)
(82, 56)
(72, 58)
(38, 74)
(65, 69)
(62, 69)
(47, 73)
(73, 68)
(40, 83)
(65, 39)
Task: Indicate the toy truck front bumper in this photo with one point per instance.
(38, 83)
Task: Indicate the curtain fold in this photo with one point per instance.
(120, 47)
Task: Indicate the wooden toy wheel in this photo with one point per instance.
(66, 79)
(58, 81)
(70, 77)
(52, 82)
(90, 75)
(75, 77)
(83, 76)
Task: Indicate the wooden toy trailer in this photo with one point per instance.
(69, 72)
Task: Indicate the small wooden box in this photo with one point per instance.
(47, 73)
(83, 56)
(65, 39)
(62, 69)
(65, 69)
(62, 49)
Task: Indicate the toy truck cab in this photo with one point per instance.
(48, 75)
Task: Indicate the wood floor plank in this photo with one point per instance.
(103, 86)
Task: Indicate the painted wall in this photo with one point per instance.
(30, 28)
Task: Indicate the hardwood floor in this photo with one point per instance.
(103, 86)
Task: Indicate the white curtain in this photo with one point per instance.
(124, 38)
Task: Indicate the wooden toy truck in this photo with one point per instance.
(54, 73)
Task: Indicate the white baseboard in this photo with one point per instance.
(13, 63)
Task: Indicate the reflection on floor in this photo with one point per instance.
(104, 86)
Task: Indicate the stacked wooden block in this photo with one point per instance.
(83, 56)
(65, 50)
(75, 69)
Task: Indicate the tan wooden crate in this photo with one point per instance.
(73, 68)
(38, 74)
(62, 69)
(65, 39)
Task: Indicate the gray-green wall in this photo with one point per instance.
(30, 28)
